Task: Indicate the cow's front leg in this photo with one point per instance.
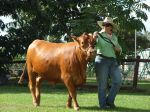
(72, 91)
(69, 102)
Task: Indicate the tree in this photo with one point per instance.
(36, 19)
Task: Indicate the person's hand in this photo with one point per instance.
(95, 34)
(117, 49)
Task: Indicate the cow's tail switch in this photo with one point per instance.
(22, 75)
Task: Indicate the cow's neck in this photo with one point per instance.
(80, 60)
(81, 56)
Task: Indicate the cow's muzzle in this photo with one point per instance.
(91, 54)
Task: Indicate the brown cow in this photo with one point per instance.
(59, 62)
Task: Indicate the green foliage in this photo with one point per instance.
(32, 20)
(126, 13)
(36, 19)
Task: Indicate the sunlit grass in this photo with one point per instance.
(14, 98)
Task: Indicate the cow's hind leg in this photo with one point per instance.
(38, 83)
(69, 102)
(32, 85)
(72, 91)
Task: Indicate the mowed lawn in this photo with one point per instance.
(14, 98)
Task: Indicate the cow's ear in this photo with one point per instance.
(90, 34)
(74, 38)
(85, 33)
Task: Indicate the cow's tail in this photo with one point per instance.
(23, 75)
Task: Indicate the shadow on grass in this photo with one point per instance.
(14, 87)
(47, 89)
(59, 89)
(118, 109)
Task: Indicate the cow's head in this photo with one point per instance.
(87, 44)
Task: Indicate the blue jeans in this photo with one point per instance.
(107, 68)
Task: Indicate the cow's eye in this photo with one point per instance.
(82, 44)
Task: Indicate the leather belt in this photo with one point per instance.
(101, 55)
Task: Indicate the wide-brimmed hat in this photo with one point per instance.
(107, 20)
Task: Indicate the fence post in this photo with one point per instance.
(136, 69)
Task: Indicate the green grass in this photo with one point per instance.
(14, 98)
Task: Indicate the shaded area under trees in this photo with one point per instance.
(37, 19)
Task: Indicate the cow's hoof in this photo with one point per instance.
(76, 108)
(20, 82)
(69, 106)
(35, 104)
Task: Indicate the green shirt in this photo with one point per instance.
(106, 48)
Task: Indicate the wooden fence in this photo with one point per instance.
(136, 68)
(136, 60)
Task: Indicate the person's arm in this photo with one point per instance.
(117, 47)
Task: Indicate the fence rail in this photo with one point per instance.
(136, 60)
